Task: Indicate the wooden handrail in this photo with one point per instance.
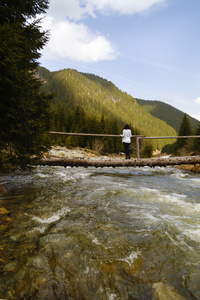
(90, 134)
(170, 137)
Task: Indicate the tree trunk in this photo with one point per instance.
(151, 162)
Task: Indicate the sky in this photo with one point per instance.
(147, 48)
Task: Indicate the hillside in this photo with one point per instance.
(166, 112)
(99, 97)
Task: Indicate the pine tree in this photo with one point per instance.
(23, 109)
(185, 130)
(196, 142)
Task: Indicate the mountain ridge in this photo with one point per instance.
(159, 109)
(100, 97)
(166, 112)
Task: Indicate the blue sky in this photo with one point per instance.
(147, 48)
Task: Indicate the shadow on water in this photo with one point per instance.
(101, 234)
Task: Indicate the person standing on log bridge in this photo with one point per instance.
(126, 139)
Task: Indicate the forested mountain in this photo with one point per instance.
(99, 104)
(166, 112)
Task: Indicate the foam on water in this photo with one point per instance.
(112, 296)
(130, 259)
(47, 220)
(151, 218)
(55, 217)
(196, 207)
(176, 199)
(96, 241)
(193, 234)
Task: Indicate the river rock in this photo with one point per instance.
(2, 189)
(193, 283)
(11, 267)
(3, 211)
(192, 168)
(166, 292)
(19, 275)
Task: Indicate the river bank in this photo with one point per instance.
(78, 153)
(191, 168)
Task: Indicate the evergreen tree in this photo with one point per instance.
(23, 109)
(185, 130)
(196, 142)
(147, 150)
(79, 121)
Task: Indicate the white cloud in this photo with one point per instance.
(61, 9)
(78, 9)
(197, 100)
(75, 41)
(126, 7)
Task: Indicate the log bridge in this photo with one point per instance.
(139, 162)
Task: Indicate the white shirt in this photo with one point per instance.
(126, 135)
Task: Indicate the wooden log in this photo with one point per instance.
(171, 137)
(89, 134)
(151, 162)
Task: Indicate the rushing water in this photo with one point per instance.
(129, 233)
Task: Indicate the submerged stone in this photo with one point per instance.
(166, 292)
(11, 267)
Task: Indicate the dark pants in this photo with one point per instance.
(126, 150)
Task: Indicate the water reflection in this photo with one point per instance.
(101, 234)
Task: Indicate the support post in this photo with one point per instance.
(138, 146)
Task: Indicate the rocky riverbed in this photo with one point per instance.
(192, 168)
(79, 153)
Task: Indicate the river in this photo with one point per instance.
(101, 234)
